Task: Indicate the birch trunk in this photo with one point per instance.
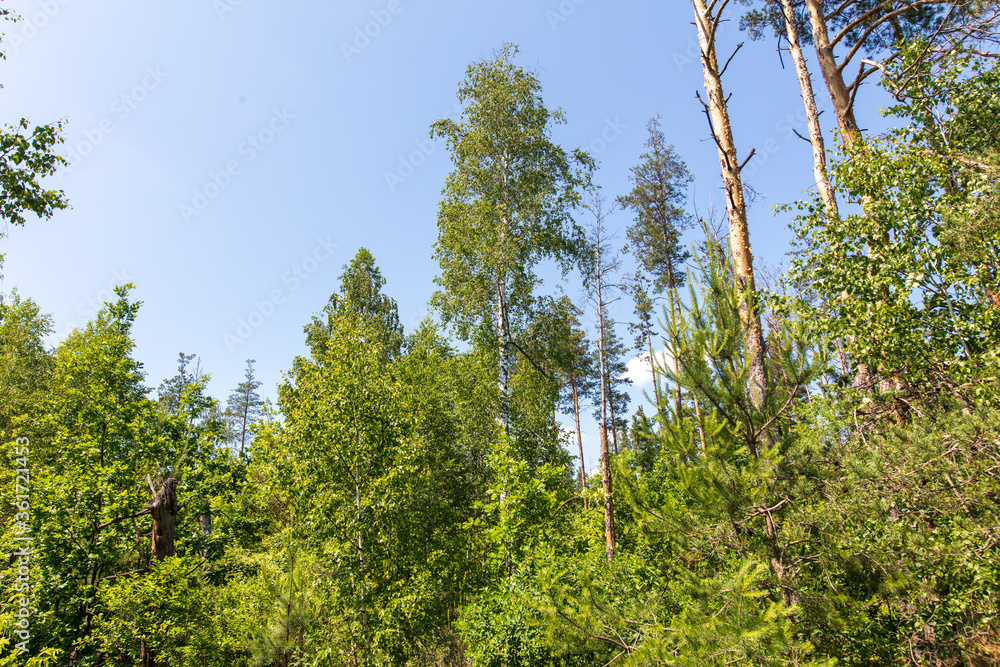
(504, 353)
(579, 434)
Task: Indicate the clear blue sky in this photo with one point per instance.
(230, 156)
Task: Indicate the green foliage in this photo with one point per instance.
(24, 160)
(508, 203)
(905, 532)
(659, 192)
(167, 610)
(912, 284)
(380, 490)
(294, 607)
(505, 629)
(404, 510)
(361, 294)
(25, 363)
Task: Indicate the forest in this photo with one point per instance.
(814, 479)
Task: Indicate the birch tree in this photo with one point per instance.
(507, 205)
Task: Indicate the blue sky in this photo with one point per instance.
(230, 156)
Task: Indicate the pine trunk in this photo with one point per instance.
(674, 308)
(839, 94)
(823, 184)
(739, 235)
(613, 420)
(609, 503)
(609, 507)
(843, 106)
(652, 368)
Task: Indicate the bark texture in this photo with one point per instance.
(823, 184)
(164, 512)
(717, 110)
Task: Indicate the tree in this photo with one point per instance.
(877, 28)
(707, 20)
(659, 191)
(615, 366)
(507, 205)
(604, 264)
(643, 329)
(698, 513)
(658, 195)
(96, 436)
(25, 365)
(573, 361)
(24, 161)
(787, 25)
(244, 407)
(914, 279)
(360, 293)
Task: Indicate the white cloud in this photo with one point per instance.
(638, 369)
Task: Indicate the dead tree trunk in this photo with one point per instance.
(717, 110)
(823, 184)
(602, 267)
(843, 106)
(609, 506)
(163, 509)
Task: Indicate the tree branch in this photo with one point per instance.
(147, 510)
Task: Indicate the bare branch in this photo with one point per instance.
(726, 66)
